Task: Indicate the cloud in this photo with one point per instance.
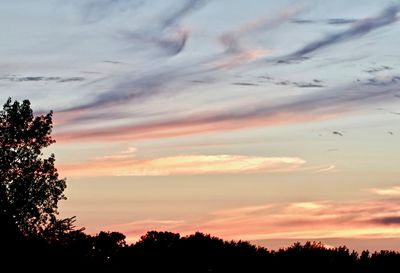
(377, 69)
(14, 78)
(245, 83)
(138, 88)
(327, 169)
(303, 84)
(340, 21)
(314, 106)
(244, 56)
(167, 34)
(170, 37)
(125, 164)
(383, 81)
(332, 21)
(392, 220)
(359, 29)
(176, 16)
(232, 40)
(308, 205)
(392, 191)
(236, 52)
(291, 220)
(310, 219)
(97, 10)
(113, 62)
(123, 155)
(170, 42)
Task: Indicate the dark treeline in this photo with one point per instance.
(34, 239)
(169, 252)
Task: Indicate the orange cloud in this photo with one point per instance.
(124, 164)
(303, 220)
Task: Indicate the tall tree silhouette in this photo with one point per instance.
(29, 185)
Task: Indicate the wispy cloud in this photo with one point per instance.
(311, 107)
(391, 191)
(383, 81)
(245, 83)
(373, 70)
(359, 29)
(170, 42)
(331, 21)
(390, 220)
(167, 34)
(14, 78)
(321, 219)
(125, 164)
(238, 58)
(315, 83)
(138, 88)
(232, 40)
(176, 16)
(97, 10)
(236, 52)
(293, 220)
(327, 169)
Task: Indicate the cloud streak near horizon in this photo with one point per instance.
(296, 220)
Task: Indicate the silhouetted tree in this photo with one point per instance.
(29, 185)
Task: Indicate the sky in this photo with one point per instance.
(266, 121)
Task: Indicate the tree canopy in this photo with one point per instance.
(30, 187)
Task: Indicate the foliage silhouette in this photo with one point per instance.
(32, 238)
(29, 185)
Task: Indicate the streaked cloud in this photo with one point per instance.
(320, 105)
(327, 169)
(383, 81)
(386, 17)
(96, 10)
(229, 61)
(294, 221)
(331, 21)
(232, 40)
(377, 69)
(168, 34)
(308, 205)
(174, 17)
(314, 83)
(14, 78)
(391, 191)
(390, 220)
(125, 164)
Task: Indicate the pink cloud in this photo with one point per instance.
(301, 220)
(201, 123)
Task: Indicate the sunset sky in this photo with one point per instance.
(267, 121)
